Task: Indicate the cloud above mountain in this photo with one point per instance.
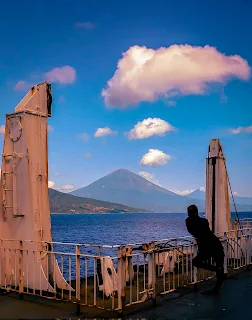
(149, 176)
(64, 188)
(155, 158)
(145, 74)
(102, 132)
(184, 192)
(51, 184)
(149, 127)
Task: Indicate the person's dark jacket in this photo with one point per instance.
(207, 241)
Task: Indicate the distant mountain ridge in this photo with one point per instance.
(125, 187)
(242, 203)
(66, 203)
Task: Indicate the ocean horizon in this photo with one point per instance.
(120, 228)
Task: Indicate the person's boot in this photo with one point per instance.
(220, 275)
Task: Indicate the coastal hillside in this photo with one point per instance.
(67, 203)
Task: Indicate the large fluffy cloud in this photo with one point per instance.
(102, 132)
(155, 158)
(144, 74)
(65, 74)
(242, 130)
(149, 127)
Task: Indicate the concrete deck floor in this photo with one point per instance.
(234, 302)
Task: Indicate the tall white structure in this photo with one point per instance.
(217, 196)
(24, 210)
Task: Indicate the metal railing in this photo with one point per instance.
(111, 277)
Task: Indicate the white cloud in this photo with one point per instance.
(155, 158)
(242, 130)
(2, 129)
(203, 189)
(235, 193)
(101, 132)
(51, 184)
(85, 25)
(84, 136)
(87, 155)
(50, 128)
(65, 75)
(183, 193)
(67, 187)
(146, 175)
(149, 127)
(149, 176)
(145, 74)
(22, 85)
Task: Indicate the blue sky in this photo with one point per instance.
(90, 37)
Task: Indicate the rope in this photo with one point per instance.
(236, 212)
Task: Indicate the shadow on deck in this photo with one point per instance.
(234, 302)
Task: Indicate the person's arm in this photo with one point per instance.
(189, 226)
(206, 226)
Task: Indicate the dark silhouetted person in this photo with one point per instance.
(209, 246)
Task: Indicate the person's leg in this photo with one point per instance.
(220, 270)
(202, 261)
(219, 260)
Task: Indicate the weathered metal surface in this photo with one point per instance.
(217, 196)
(119, 279)
(24, 210)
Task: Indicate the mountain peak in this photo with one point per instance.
(120, 170)
(127, 187)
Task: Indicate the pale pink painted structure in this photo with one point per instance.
(25, 212)
(217, 195)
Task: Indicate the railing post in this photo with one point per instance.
(248, 250)
(236, 227)
(21, 284)
(77, 257)
(121, 277)
(151, 273)
(225, 247)
(195, 269)
(153, 258)
(247, 227)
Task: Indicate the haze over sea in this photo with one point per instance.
(120, 228)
